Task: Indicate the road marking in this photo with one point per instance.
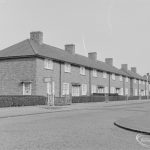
(143, 140)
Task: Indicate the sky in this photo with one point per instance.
(118, 29)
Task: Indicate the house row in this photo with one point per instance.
(32, 67)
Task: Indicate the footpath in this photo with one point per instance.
(138, 124)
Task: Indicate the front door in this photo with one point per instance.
(75, 90)
(50, 92)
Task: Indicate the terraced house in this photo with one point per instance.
(31, 67)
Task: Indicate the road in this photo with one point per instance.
(87, 129)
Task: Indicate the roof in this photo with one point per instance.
(30, 48)
(134, 75)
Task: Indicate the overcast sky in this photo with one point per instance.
(113, 28)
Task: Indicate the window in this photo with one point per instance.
(106, 89)
(67, 67)
(120, 78)
(26, 88)
(93, 89)
(127, 79)
(82, 70)
(94, 73)
(126, 91)
(104, 75)
(84, 89)
(75, 90)
(65, 89)
(113, 76)
(139, 81)
(143, 82)
(48, 64)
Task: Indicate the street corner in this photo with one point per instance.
(138, 124)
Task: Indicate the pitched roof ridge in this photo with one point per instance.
(33, 49)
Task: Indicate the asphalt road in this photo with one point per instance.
(88, 129)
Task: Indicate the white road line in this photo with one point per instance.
(143, 140)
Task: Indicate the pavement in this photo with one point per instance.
(137, 124)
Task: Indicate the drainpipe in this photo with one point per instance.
(60, 80)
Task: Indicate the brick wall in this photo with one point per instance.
(12, 72)
(42, 73)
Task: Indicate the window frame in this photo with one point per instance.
(30, 86)
(82, 70)
(94, 72)
(48, 64)
(67, 67)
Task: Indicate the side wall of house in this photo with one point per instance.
(42, 73)
(13, 72)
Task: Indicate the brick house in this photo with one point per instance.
(31, 67)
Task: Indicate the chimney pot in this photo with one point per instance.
(37, 37)
(109, 61)
(124, 67)
(92, 56)
(133, 69)
(70, 48)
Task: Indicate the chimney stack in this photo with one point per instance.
(109, 61)
(37, 37)
(124, 67)
(133, 69)
(92, 56)
(70, 48)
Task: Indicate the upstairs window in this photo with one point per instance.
(120, 78)
(139, 81)
(82, 70)
(67, 67)
(94, 73)
(127, 79)
(48, 64)
(104, 75)
(113, 76)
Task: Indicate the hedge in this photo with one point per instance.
(21, 100)
(96, 98)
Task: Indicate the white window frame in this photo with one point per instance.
(30, 86)
(84, 89)
(67, 67)
(127, 79)
(121, 78)
(65, 90)
(48, 64)
(94, 72)
(82, 70)
(104, 75)
(113, 76)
